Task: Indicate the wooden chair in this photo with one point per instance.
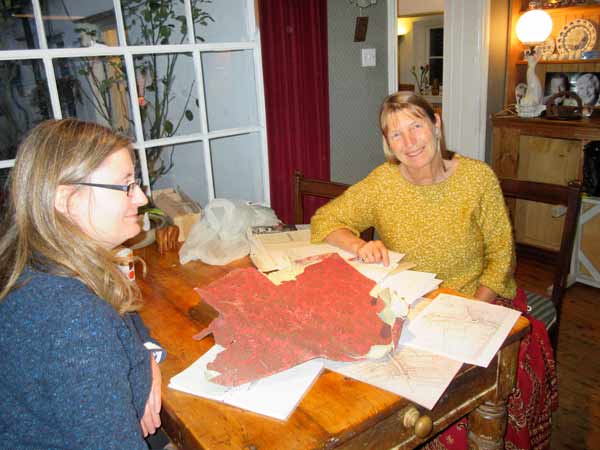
(543, 308)
(304, 187)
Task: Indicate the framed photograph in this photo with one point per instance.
(585, 84)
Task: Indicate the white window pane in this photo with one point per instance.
(154, 22)
(167, 90)
(76, 23)
(188, 170)
(230, 89)
(95, 89)
(237, 167)
(24, 102)
(18, 27)
(221, 21)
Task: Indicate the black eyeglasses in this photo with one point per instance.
(129, 188)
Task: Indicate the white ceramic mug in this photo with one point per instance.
(127, 264)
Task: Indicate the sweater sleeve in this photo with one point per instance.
(499, 255)
(98, 378)
(353, 210)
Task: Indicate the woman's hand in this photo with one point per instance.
(373, 252)
(369, 252)
(151, 420)
(485, 294)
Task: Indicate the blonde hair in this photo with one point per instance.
(37, 235)
(415, 106)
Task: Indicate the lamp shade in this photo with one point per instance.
(402, 26)
(534, 27)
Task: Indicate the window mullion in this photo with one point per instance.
(52, 89)
(260, 99)
(120, 23)
(39, 24)
(137, 117)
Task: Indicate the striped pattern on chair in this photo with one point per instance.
(541, 308)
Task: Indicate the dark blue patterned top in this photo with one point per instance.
(74, 374)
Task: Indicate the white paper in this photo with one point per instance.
(275, 396)
(465, 330)
(411, 285)
(280, 251)
(417, 375)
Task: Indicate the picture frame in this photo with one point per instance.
(585, 84)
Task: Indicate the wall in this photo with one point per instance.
(355, 92)
(412, 8)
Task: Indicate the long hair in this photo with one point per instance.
(37, 235)
(414, 105)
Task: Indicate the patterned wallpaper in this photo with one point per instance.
(355, 92)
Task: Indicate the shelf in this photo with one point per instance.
(577, 9)
(563, 61)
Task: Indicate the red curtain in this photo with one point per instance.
(294, 56)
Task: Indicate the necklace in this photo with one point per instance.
(440, 175)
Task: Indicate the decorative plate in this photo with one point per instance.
(579, 35)
(546, 48)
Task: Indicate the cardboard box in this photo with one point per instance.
(183, 211)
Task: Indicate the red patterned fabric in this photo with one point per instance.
(533, 400)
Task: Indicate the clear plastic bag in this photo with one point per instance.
(221, 236)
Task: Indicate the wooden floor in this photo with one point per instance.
(577, 422)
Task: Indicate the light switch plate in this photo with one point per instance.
(369, 57)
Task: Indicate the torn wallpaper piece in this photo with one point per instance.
(327, 311)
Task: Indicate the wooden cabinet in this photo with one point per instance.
(549, 151)
(539, 149)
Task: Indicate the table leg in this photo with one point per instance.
(487, 425)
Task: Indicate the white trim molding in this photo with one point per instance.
(392, 28)
(466, 55)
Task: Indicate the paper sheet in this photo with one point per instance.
(417, 375)
(412, 284)
(274, 396)
(465, 330)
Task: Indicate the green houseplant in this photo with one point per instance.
(151, 23)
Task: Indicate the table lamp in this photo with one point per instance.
(532, 29)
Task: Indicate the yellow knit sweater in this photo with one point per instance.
(458, 229)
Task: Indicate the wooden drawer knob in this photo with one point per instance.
(423, 424)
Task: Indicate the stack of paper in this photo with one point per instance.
(433, 345)
(280, 251)
(274, 396)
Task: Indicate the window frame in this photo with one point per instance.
(128, 52)
(428, 45)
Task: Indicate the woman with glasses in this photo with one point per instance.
(75, 371)
(447, 214)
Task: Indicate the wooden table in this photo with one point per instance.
(337, 412)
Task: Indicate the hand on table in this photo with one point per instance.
(151, 419)
(374, 252)
(167, 238)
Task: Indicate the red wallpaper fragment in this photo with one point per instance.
(326, 311)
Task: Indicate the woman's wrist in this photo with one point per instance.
(357, 245)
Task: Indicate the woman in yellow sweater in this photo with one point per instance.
(446, 212)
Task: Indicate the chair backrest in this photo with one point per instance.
(322, 189)
(553, 194)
